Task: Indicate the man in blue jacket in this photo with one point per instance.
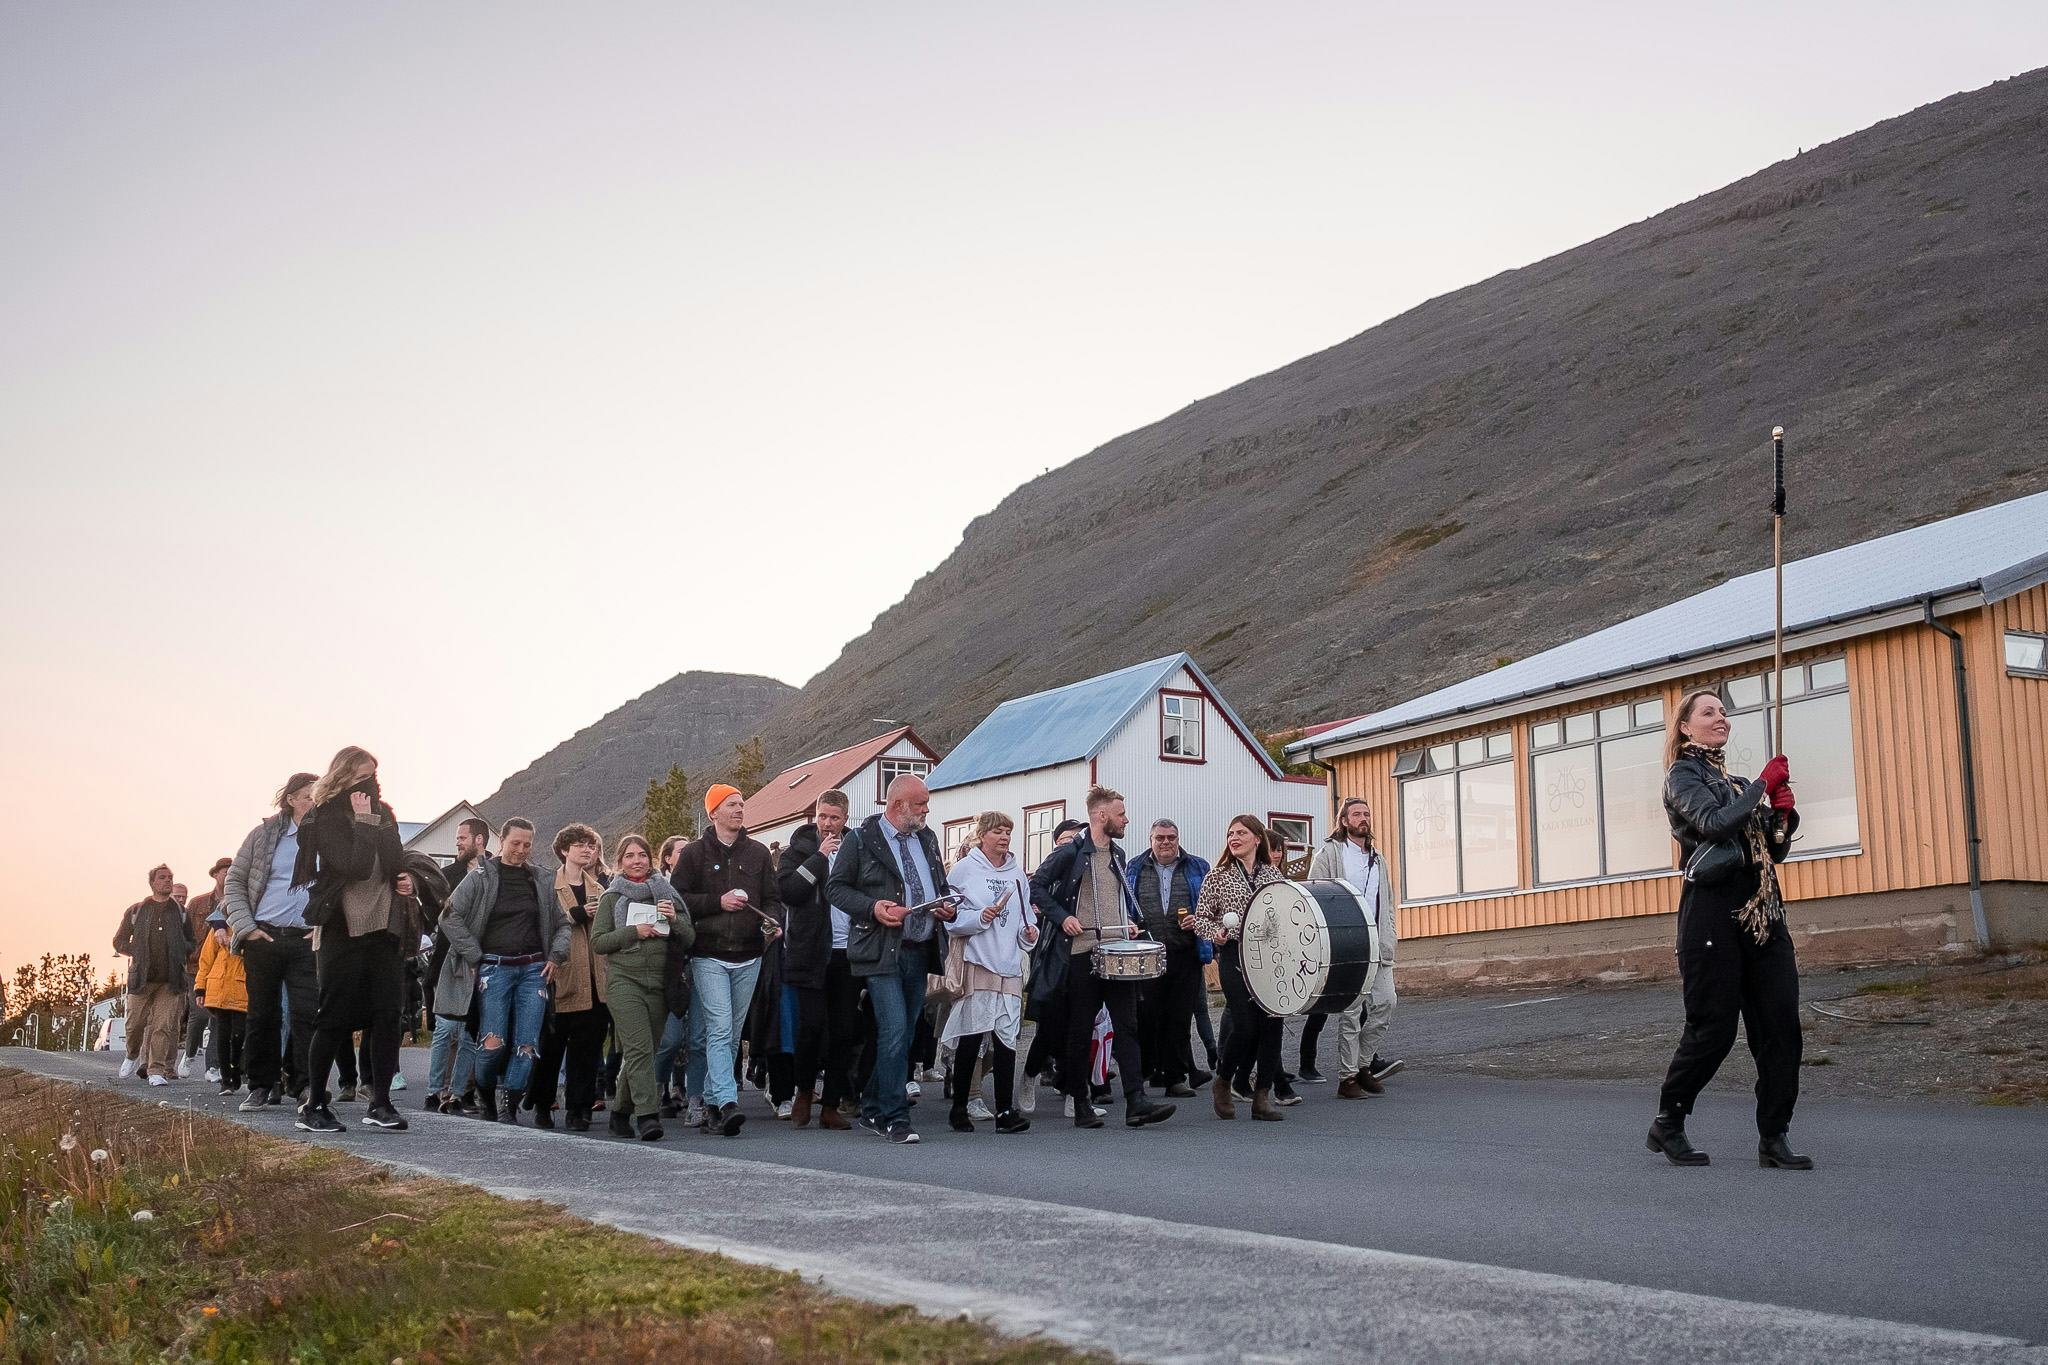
(1166, 881)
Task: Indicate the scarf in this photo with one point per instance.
(655, 888)
(1764, 907)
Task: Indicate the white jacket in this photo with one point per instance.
(999, 947)
(1328, 866)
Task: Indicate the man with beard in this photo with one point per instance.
(1349, 856)
(1081, 889)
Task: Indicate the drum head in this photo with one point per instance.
(1308, 947)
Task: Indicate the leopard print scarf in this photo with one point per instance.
(1766, 906)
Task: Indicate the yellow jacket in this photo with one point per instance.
(221, 977)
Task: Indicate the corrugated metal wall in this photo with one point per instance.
(1909, 782)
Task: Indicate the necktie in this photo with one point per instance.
(913, 884)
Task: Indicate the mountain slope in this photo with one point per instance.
(600, 773)
(1530, 458)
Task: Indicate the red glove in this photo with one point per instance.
(1776, 773)
(1781, 797)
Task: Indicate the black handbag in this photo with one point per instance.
(1715, 862)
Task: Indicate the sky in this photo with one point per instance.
(437, 378)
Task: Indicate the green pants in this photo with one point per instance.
(639, 1012)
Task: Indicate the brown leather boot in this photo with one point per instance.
(1226, 1108)
(1369, 1083)
(1350, 1089)
(800, 1110)
(830, 1117)
(1263, 1107)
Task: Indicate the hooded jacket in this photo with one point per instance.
(999, 947)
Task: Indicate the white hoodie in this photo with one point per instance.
(999, 946)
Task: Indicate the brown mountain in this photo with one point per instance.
(1530, 458)
(600, 773)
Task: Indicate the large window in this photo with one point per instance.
(957, 835)
(1458, 818)
(889, 769)
(2026, 654)
(1818, 744)
(1038, 826)
(1597, 788)
(1180, 726)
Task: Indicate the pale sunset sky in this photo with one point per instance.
(436, 378)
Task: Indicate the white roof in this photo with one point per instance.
(1998, 551)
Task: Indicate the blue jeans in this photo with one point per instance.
(897, 1000)
(452, 1062)
(514, 1004)
(675, 1034)
(717, 1014)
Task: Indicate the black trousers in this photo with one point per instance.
(273, 969)
(361, 987)
(224, 1044)
(196, 1020)
(1253, 1035)
(1726, 974)
(1087, 993)
(828, 1030)
(1311, 1030)
(1002, 1065)
(578, 1040)
(1166, 1008)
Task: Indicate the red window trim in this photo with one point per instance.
(1308, 820)
(1201, 725)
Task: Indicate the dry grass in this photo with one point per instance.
(261, 1249)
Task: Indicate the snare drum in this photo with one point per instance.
(1308, 947)
(1129, 960)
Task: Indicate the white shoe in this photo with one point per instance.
(932, 1073)
(1027, 1093)
(1070, 1106)
(398, 1081)
(213, 1074)
(977, 1108)
(184, 1068)
(913, 1089)
(127, 1067)
(157, 1080)
(784, 1109)
(693, 1116)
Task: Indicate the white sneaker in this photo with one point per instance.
(1070, 1106)
(693, 1116)
(913, 1089)
(213, 1074)
(184, 1068)
(155, 1079)
(127, 1067)
(784, 1109)
(398, 1081)
(932, 1073)
(1027, 1093)
(977, 1108)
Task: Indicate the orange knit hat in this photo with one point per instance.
(715, 797)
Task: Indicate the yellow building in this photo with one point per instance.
(1522, 813)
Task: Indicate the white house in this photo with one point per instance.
(436, 837)
(1158, 732)
(863, 771)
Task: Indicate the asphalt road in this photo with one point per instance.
(1457, 1218)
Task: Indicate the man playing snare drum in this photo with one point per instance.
(1080, 889)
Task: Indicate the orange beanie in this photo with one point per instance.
(715, 797)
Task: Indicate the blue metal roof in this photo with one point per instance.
(1999, 550)
(1060, 726)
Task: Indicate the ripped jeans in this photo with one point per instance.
(514, 1002)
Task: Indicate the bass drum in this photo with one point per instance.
(1309, 947)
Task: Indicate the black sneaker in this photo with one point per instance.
(298, 1097)
(258, 1098)
(1308, 1075)
(317, 1119)
(901, 1133)
(1085, 1115)
(1380, 1070)
(649, 1127)
(1238, 1092)
(1010, 1121)
(1283, 1095)
(385, 1116)
(620, 1124)
(730, 1119)
(1199, 1078)
(872, 1125)
(227, 1089)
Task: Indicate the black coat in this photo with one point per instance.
(807, 951)
(865, 872)
(1704, 804)
(1056, 885)
(336, 848)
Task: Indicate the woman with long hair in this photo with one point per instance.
(675, 1029)
(995, 929)
(638, 918)
(1735, 955)
(1246, 865)
(351, 859)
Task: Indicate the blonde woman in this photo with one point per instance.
(994, 931)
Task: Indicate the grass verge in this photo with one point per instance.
(138, 1232)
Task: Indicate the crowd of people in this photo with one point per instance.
(841, 974)
(837, 977)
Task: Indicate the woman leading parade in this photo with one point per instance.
(1254, 1035)
(1734, 951)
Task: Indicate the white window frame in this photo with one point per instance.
(1182, 714)
(2013, 670)
(887, 770)
(1800, 676)
(1435, 758)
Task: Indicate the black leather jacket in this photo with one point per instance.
(807, 951)
(1704, 804)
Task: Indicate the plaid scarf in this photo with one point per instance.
(1765, 906)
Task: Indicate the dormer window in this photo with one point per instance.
(1180, 726)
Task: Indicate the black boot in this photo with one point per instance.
(959, 1120)
(1084, 1113)
(1775, 1153)
(1667, 1135)
(487, 1103)
(1010, 1121)
(543, 1116)
(1140, 1110)
(620, 1123)
(509, 1111)
(649, 1126)
(578, 1121)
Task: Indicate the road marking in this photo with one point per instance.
(1517, 1004)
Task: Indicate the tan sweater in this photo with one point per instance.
(1099, 904)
